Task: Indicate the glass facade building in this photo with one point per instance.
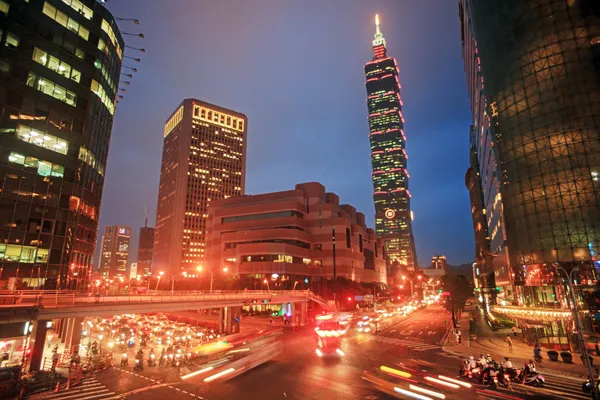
(59, 64)
(204, 159)
(388, 156)
(115, 252)
(533, 68)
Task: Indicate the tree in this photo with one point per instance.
(459, 289)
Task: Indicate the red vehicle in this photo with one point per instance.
(329, 339)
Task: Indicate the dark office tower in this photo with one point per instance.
(144, 255)
(60, 62)
(115, 251)
(388, 156)
(204, 159)
(539, 90)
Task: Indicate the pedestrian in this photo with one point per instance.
(514, 330)
(509, 342)
(459, 334)
(270, 320)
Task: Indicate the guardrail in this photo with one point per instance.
(73, 298)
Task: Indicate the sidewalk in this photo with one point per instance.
(493, 342)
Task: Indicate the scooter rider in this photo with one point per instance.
(472, 363)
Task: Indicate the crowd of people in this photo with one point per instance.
(486, 371)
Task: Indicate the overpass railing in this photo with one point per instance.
(65, 298)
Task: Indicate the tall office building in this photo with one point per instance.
(388, 156)
(115, 251)
(59, 67)
(145, 246)
(439, 262)
(204, 159)
(534, 82)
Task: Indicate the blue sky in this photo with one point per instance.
(295, 68)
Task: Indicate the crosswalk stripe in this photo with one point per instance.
(89, 389)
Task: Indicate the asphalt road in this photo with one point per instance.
(409, 344)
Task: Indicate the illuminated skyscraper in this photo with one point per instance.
(115, 251)
(204, 159)
(59, 77)
(388, 155)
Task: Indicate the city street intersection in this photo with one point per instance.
(409, 344)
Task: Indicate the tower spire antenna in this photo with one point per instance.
(145, 217)
(377, 23)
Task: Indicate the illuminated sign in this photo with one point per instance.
(389, 213)
(123, 231)
(218, 118)
(174, 121)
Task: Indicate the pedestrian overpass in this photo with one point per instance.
(38, 309)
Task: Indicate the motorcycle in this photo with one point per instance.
(152, 360)
(164, 360)
(533, 378)
(139, 365)
(124, 360)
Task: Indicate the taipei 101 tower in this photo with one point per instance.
(388, 155)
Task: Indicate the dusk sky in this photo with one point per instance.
(295, 68)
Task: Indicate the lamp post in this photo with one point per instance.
(160, 274)
(268, 287)
(212, 275)
(584, 353)
(411, 280)
(295, 283)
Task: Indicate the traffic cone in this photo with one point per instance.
(57, 388)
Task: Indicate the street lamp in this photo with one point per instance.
(199, 268)
(584, 353)
(268, 287)
(160, 274)
(295, 283)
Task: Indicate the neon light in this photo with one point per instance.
(377, 61)
(385, 76)
(372, 79)
(377, 152)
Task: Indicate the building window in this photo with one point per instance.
(65, 21)
(360, 243)
(4, 6)
(43, 168)
(80, 8)
(101, 93)
(348, 238)
(52, 89)
(4, 67)
(113, 38)
(86, 156)
(12, 40)
(56, 65)
(28, 135)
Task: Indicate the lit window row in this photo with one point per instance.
(43, 168)
(218, 118)
(98, 64)
(86, 156)
(23, 254)
(28, 135)
(101, 93)
(82, 207)
(56, 65)
(173, 122)
(65, 21)
(113, 38)
(52, 89)
(4, 6)
(80, 8)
